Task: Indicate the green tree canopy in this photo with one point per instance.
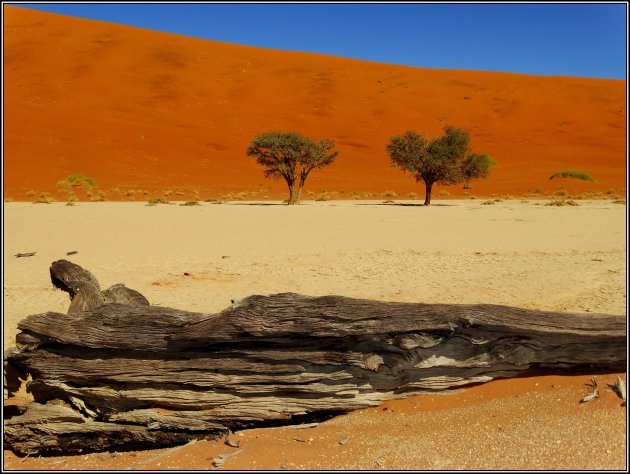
(446, 159)
(291, 156)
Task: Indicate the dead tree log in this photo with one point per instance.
(160, 376)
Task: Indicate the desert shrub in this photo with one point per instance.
(96, 195)
(562, 202)
(620, 201)
(168, 192)
(179, 193)
(70, 203)
(444, 192)
(538, 190)
(157, 200)
(324, 196)
(389, 201)
(31, 193)
(572, 174)
(390, 194)
(44, 198)
(413, 195)
(215, 201)
(467, 185)
(190, 203)
(561, 192)
(488, 202)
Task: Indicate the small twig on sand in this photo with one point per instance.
(619, 388)
(161, 455)
(30, 254)
(72, 252)
(220, 459)
(593, 394)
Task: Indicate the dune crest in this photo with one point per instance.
(144, 109)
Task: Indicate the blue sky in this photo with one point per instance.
(587, 40)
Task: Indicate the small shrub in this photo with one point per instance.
(561, 192)
(31, 193)
(97, 196)
(487, 203)
(444, 192)
(620, 201)
(44, 198)
(389, 201)
(215, 201)
(70, 203)
(390, 194)
(180, 193)
(190, 203)
(572, 174)
(157, 200)
(168, 192)
(562, 202)
(322, 197)
(538, 190)
(413, 195)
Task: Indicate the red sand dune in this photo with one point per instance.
(134, 108)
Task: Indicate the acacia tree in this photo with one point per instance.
(446, 159)
(291, 156)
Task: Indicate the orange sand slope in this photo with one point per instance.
(137, 108)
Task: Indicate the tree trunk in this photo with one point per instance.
(299, 189)
(427, 195)
(153, 376)
(271, 360)
(292, 194)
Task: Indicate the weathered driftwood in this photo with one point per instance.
(29, 254)
(158, 376)
(85, 291)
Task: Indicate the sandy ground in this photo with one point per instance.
(515, 253)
